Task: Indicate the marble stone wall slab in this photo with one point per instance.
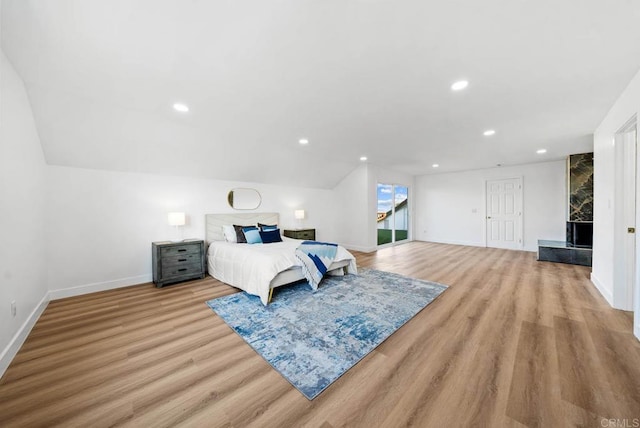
(581, 187)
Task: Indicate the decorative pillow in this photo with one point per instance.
(240, 239)
(269, 236)
(267, 227)
(252, 235)
(229, 233)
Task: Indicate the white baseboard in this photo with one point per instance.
(453, 242)
(9, 353)
(99, 286)
(473, 244)
(602, 289)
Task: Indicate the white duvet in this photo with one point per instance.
(251, 267)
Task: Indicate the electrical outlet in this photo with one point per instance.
(14, 308)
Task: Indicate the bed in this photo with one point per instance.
(259, 268)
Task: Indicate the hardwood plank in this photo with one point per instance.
(621, 321)
(533, 379)
(619, 345)
(582, 379)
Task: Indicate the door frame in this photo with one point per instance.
(625, 284)
(520, 207)
(635, 286)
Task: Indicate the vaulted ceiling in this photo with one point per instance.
(354, 77)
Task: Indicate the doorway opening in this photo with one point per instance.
(393, 213)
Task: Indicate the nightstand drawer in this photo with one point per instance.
(305, 234)
(181, 259)
(177, 250)
(186, 269)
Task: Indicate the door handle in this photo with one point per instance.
(631, 230)
(488, 217)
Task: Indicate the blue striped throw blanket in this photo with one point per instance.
(316, 257)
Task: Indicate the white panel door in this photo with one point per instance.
(504, 213)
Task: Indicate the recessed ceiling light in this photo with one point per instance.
(435, 165)
(363, 158)
(541, 151)
(182, 108)
(489, 132)
(459, 85)
(303, 141)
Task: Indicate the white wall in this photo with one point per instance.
(22, 188)
(606, 207)
(101, 223)
(451, 207)
(352, 201)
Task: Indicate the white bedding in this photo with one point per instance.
(252, 267)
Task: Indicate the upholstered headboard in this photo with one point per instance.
(214, 222)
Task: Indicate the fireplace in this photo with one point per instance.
(580, 234)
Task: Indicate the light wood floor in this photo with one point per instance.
(513, 342)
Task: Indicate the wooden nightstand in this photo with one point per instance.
(307, 234)
(177, 261)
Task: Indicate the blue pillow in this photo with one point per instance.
(252, 234)
(269, 236)
(267, 227)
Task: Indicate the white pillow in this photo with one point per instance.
(229, 233)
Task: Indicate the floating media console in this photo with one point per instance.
(561, 252)
(576, 250)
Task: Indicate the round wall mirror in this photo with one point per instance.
(243, 198)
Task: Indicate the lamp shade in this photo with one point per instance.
(298, 214)
(176, 219)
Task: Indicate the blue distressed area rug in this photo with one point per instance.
(314, 338)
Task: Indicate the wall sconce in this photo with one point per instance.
(177, 220)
